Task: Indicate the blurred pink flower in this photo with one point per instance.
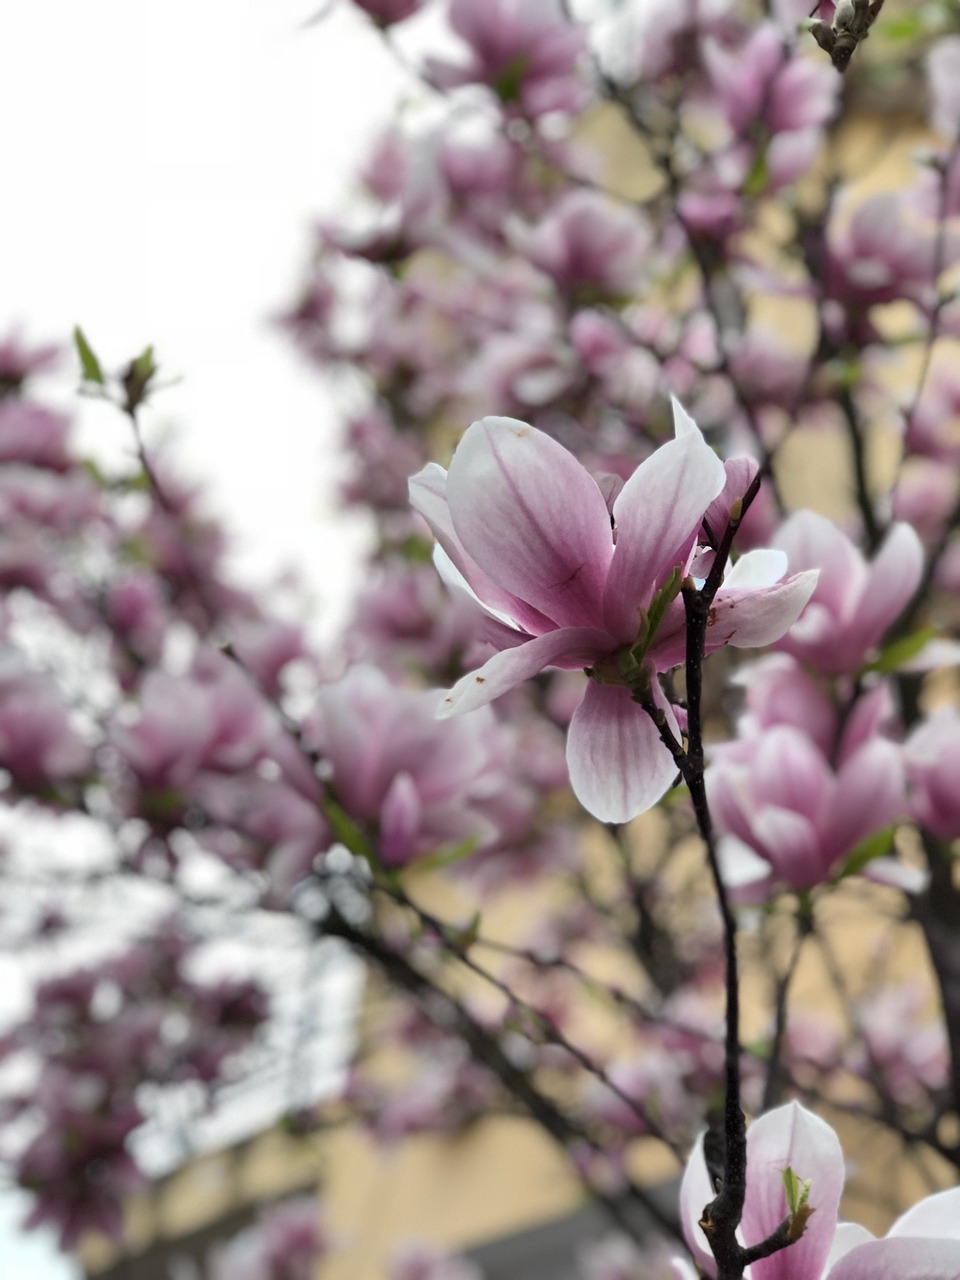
(854, 603)
(527, 53)
(425, 783)
(932, 755)
(796, 789)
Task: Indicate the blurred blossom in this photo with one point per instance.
(798, 789)
(287, 1242)
(426, 784)
(427, 1262)
(932, 755)
(528, 54)
(854, 603)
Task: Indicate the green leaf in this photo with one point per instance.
(137, 378)
(797, 1191)
(894, 655)
(758, 177)
(348, 832)
(89, 364)
(462, 937)
(509, 82)
(876, 846)
(446, 856)
(652, 617)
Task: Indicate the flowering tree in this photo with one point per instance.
(626, 250)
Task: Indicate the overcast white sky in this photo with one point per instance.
(162, 166)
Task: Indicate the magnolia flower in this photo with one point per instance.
(932, 754)
(854, 603)
(527, 530)
(800, 786)
(923, 1244)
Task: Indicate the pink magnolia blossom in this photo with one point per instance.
(760, 82)
(923, 1244)
(424, 783)
(386, 13)
(587, 242)
(527, 529)
(425, 1262)
(932, 754)
(798, 789)
(38, 744)
(287, 1242)
(854, 603)
(528, 53)
(879, 255)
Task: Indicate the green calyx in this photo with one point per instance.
(625, 667)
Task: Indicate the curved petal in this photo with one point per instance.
(760, 568)
(618, 765)
(657, 513)
(812, 541)
(532, 518)
(746, 875)
(428, 495)
(937, 1216)
(792, 1136)
(682, 1270)
(569, 647)
(870, 793)
(900, 1259)
(849, 1236)
(892, 579)
(790, 842)
(683, 424)
(751, 617)
(695, 1194)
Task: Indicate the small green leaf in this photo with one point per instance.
(347, 831)
(462, 937)
(89, 364)
(652, 617)
(876, 846)
(900, 651)
(758, 177)
(509, 82)
(446, 856)
(137, 378)
(797, 1191)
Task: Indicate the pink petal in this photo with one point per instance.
(751, 618)
(695, 1194)
(400, 817)
(657, 513)
(870, 794)
(892, 579)
(428, 495)
(568, 647)
(897, 875)
(532, 518)
(618, 765)
(899, 1259)
(849, 1236)
(937, 1216)
(791, 844)
(792, 1136)
(812, 541)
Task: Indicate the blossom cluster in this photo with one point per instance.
(566, 389)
